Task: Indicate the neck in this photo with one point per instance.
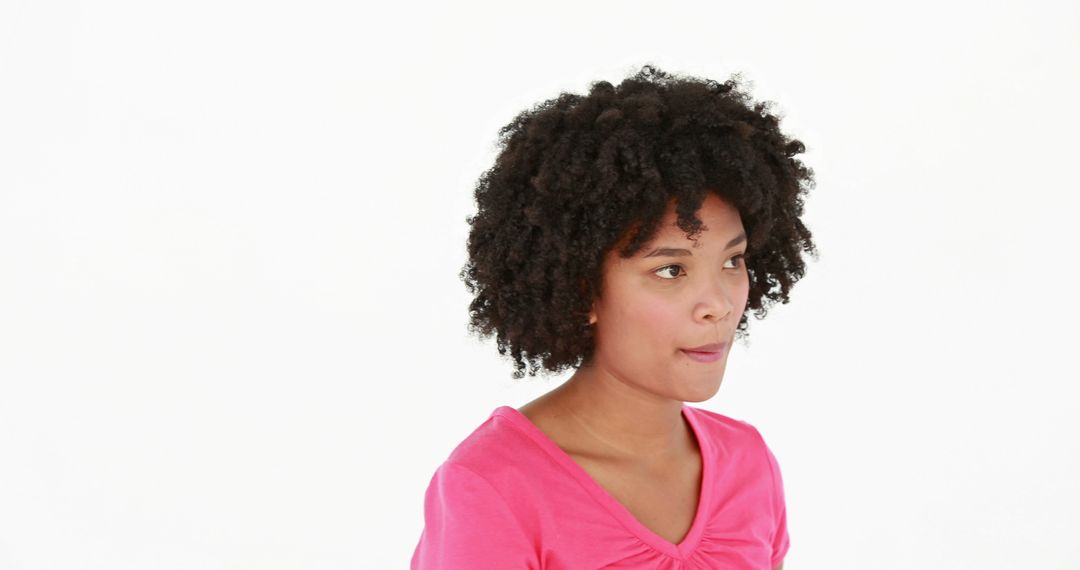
(622, 421)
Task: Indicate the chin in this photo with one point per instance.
(698, 397)
(704, 391)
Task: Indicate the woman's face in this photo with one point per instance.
(671, 297)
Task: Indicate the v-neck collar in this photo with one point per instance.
(679, 551)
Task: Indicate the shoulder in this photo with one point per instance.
(500, 473)
(469, 521)
(734, 438)
(496, 449)
(726, 428)
(740, 447)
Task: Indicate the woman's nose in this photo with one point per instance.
(715, 305)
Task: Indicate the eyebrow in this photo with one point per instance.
(677, 252)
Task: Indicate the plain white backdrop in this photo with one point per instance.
(232, 334)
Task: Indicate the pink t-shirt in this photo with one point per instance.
(509, 498)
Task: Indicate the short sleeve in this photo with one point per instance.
(780, 542)
(469, 525)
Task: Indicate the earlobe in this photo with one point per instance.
(592, 312)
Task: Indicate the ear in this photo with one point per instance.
(592, 311)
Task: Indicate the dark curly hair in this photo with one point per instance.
(578, 175)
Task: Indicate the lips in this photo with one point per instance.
(715, 347)
(706, 352)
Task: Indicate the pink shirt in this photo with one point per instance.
(509, 498)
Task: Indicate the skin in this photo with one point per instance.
(620, 416)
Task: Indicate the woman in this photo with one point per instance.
(626, 235)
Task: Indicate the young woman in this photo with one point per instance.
(625, 235)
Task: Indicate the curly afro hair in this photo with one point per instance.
(577, 175)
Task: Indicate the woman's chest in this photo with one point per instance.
(663, 501)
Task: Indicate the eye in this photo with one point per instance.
(741, 258)
(668, 268)
(735, 262)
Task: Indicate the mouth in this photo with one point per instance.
(706, 353)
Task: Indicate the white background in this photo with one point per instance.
(232, 333)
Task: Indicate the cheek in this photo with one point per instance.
(655, 323)
(742, 293)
